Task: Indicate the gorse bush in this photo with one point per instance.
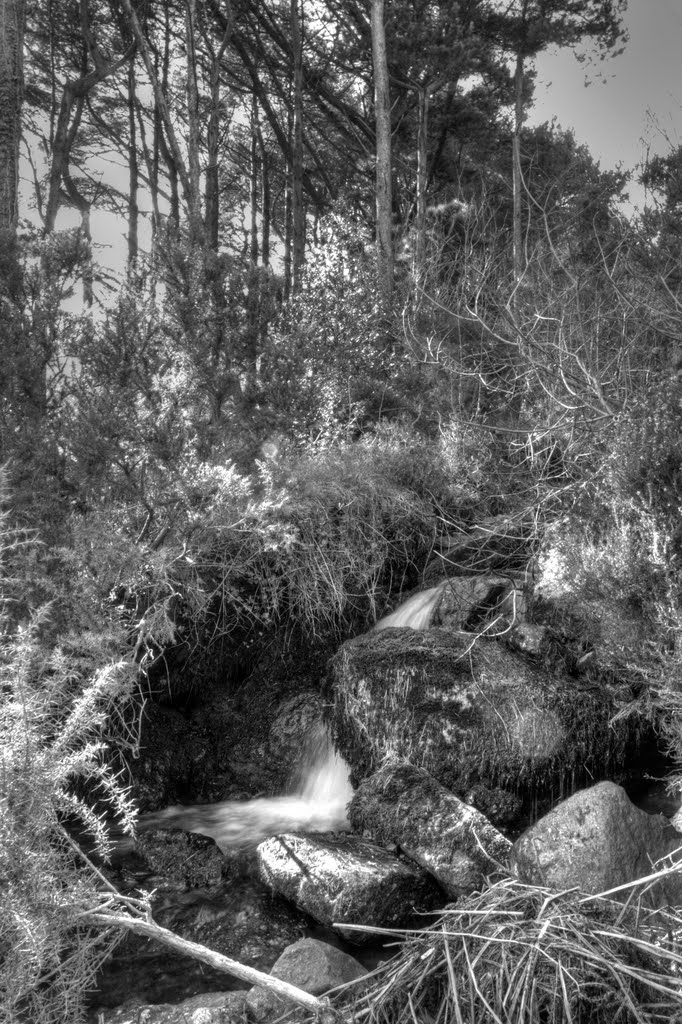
(63, 708)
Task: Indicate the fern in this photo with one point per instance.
(60, 715)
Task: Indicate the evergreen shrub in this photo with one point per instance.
(64, 708)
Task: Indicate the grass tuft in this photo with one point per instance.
(522, 954)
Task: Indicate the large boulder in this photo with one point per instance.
(311, 965)
(470, 710)
(596, 841)
(343, 879)
(453, 841)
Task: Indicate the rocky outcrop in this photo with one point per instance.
(597, 840)
(471, 711)
(453, 841)
(342, 879)
(311, 965)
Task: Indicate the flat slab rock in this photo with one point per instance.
(342, 879)
(598, 840)
(453, 841)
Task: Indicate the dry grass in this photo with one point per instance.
(520, 954)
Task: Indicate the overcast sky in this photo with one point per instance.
(633, 101)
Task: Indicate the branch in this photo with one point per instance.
(210, 957)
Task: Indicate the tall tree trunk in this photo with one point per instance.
(196, 227)
(254, 187)
(422, 179)
(133, 169)
(297, 207)
(517, 178)
(384, 198)
(266, 200)
(212, 188)
(167, 138)
(288, 218)
(12, 21)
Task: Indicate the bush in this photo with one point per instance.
(62, 709)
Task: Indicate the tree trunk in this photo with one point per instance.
(422, 176)
(384, 200)
(266, 200)
(517, 179)
(168, 138)
(288, 218)
(297, 207)
(255, 187)
(196, 227)
(212, 206)
(133, 170)
(212, 188)
(12, 21)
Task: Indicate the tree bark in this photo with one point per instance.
(517, 178)
(384, 198)
(209, 956)
(12, 21)
(196, 226)
(212, 189)
(255, 187)
(266, 200)
(133, 169)
(422, 178)
(297, 207)
(169, 137)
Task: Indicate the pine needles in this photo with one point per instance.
(520, 954)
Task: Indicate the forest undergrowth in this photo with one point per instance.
(142, 518)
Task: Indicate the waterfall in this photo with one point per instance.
(415, 613)
(321, 791)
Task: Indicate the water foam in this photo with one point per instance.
(317, 804)
(415, 613)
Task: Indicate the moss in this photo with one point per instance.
(470, 712)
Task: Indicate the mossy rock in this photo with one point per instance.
(471, 712)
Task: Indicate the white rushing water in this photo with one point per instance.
(415, 613)
(317, 804)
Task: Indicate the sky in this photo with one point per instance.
(633, 102)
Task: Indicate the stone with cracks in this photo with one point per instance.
(597, 840)
(311, 965)
(470, 711)
(342, 879)
(453, 841)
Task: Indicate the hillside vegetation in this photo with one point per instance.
(242, 434)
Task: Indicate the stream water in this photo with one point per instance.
(416, 612)
(320, 791)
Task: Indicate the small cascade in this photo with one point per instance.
(321, 792)
(415, 613)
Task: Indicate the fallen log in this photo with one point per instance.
(222, 963)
